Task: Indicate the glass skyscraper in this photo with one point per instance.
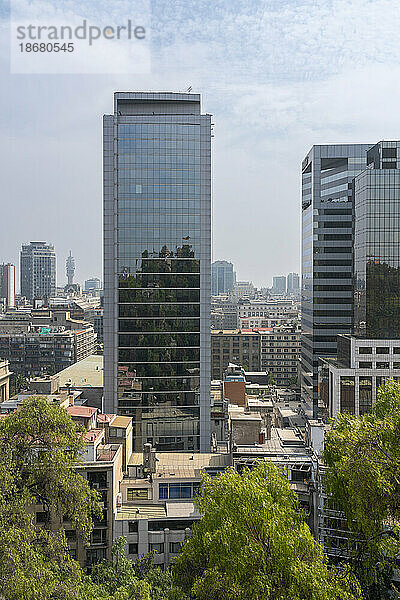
(223, 277)
(327, 254)
(157, 267)
(377, 244)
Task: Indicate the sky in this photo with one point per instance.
(277, 75)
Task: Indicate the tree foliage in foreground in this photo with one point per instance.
(39, 448)
(252, 542)
(363, 477)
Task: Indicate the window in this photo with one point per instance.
(364, 350)
(70, 534)
(133, 526)
(347, 396)
(98, 480)
(99, 536)
(137, 494)
(365, 395)
(382, 350)
(178, 525)
(396, 350)
(116, 431)
(396, 365)
(177, 491)
(158, 548)
(365, 365)
(175, 547)
(132, 548)
(94, 556)
(382, 365)
(41, 517)
(389, 152)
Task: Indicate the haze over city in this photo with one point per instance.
(277, 77)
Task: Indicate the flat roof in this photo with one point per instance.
(138, 512)
(105, 417)
(182, 464)
(121, 422)
(85, 373)
(93, 435)
(81, 411)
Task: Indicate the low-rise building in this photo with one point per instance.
(48, 350)
(4, 380)
(239, 346)
(349, 382)
(280, 353)
(157, 507)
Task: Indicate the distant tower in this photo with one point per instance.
(70, 268)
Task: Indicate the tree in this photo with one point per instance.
(252, 542)
(40, 447)
(362, 454)
(270, 378)
(122, 579)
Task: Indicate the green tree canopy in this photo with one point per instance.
(40, 447)
(252, 542)
(362, 454)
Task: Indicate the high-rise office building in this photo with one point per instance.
(223, 277)
(38, 270)
(70, 268)
(92, 284)
(7, 284)
(327, 254)
(293, 283)
(157, 267)
(364, 360)
(279, 285)
(377, 244)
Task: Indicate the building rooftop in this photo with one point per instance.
(81, 411)
(123, 422)
(105, 417)
(93, 435)
(136, 513)
(182, 464)
(107, 452)
(85, 373)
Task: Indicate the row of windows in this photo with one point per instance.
(178, 491)
(159, 310)
(157, 296)
(378, 350)
(170, 354)
(162, 280)
(158, 340)
(159, 325)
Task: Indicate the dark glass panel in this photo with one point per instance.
(161, 340)
(159, 295)
(159, 310)
(159, 325)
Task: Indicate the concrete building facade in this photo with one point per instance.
(38, 271)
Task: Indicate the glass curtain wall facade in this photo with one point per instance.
(157, 286)
(327, 254)
(377, 244)
(223, 277)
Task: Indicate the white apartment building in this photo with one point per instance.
(280, 353)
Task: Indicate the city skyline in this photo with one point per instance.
(294, 91)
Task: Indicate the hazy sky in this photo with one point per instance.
(277, 75)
